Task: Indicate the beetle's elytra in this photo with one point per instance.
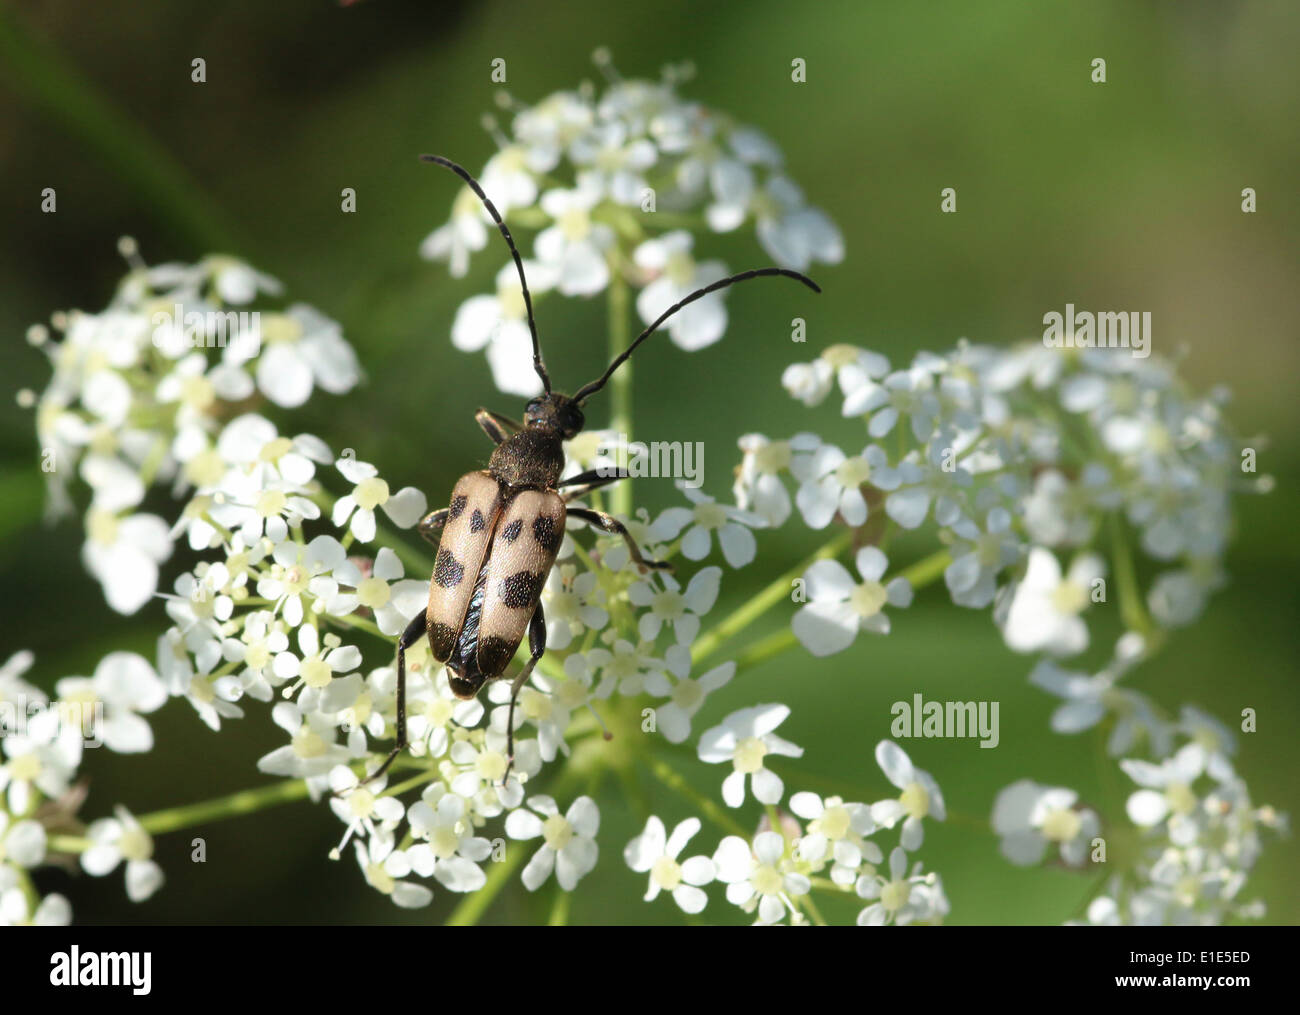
(498, 537)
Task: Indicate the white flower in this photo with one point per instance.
(707, 517)
(312, 750)
(302, 349)
(568, 840)
(22, 843)
(755, 877)
(124, 685)
(361, 805)
(1087, 698)
(1030, 817)
(838, 607)
(669, 605)
(675, 276)
(979, 556)
(124, 554)
(901, 899)
(1044, 613)
(575, 245)
(836, 832)
(299, 571)
(569, 614)
(1169, 793)
(758, 485)
(499, 323)
(315, 666)
(651, 851)
(921, 796)
(450, 851)
(612, 162)
(831, 483)
(745, 738)
(405, 507)
(457, 239)
(37, 764)
(686, 696)
(123, 838)
(393, 605)
(384, 866)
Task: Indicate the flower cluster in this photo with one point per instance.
(769, 875)
(139, 391)
(42, 744)
(1041, 474)
(614, 182)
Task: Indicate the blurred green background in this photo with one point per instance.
(1122, 195)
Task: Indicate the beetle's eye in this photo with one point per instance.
(573, 420)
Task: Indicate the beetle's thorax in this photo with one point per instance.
(533, 457)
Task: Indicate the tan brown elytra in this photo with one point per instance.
(498, 537)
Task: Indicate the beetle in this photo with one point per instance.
(499, 535)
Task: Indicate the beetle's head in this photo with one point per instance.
(555, 412)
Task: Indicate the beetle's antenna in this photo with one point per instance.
(519, 263)
(587, 390)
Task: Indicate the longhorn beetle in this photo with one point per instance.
(503, 527)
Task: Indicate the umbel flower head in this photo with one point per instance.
(607, 178)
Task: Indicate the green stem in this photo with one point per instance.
(559, 908)
(666, 774)
(620, 384)
(246, 801)
(774, 593)
(1131, 610)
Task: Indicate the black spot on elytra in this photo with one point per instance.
(519, 590)
(477, 523)
(494, 655)
(547, 533)
(458, 506)
(443, 639)
(511, 532)
(447, 570)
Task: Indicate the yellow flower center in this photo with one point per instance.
(868, 599)
(557, 832)
(710, 516)
(894, 895)
(279, 328)
(749, 755)
(915, 800)
(373, 592)
(102, 527)
(1062, 825)
(767, 880)
(1069, 598)
(316, 672)
(206, 468)
(271, 503)
(666, 873)
(370, 493)
(135, 843)
(853, 472)
(1181, 798)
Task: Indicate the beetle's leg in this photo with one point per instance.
(413, 633)
(498, 427)
(593, 479)
(536, 649)
(611, 524)
(430, 525)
